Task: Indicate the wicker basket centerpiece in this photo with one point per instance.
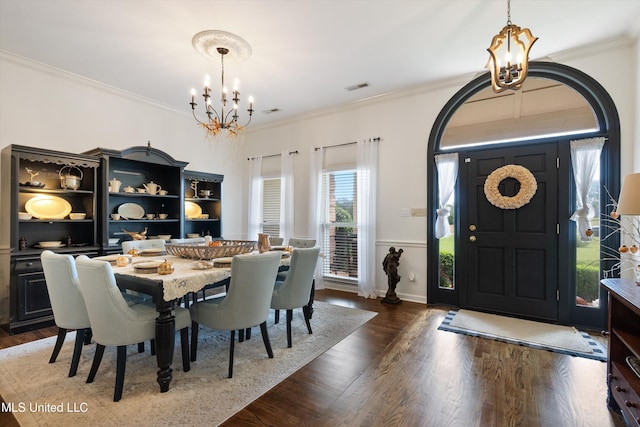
(226, 248)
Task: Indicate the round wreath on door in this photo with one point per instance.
(528, 187)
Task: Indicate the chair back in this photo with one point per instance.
(296, 242)
(276, 241)
(112, 321)
(67, 303)
(191, 240)
(249, 296)
(127, 245)
(296, 288)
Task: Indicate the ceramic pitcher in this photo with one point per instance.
(263, 243)
(152, 187)
(114, 185)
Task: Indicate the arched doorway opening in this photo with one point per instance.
(549, 153)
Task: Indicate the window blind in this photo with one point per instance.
(271, 206)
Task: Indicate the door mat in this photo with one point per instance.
(543, 336)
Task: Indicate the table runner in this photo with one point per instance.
(185, 277)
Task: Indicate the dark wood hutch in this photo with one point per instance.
(24, 301)
(32, 176)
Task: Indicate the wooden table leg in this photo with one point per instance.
(165, 342)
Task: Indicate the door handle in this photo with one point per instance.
(472, 238)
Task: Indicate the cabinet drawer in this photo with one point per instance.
(626, 397)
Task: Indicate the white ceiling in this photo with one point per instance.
(305, 52)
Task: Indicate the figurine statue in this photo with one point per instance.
(390, 267)
(135, 235)
(194, 187)
(33, 175)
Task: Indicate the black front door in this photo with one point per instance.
(510, 256)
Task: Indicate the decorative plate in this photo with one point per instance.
(223, 262)
(152, 252)
(112, 259)
(48, 207)
(192, 210)
(131, 211)
(147, 267)
(32, 184)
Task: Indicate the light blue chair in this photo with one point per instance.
(276, 241)
(294, 242)
(67, 304)
(127, 245)
(245, 305)
(114, 323)
(294, 291)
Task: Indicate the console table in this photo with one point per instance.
(624, 344)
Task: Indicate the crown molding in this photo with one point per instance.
(58, 72)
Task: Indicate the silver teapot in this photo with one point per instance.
(69, 180)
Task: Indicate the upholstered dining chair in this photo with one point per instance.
(69, 311)
(127, 245)
(276, 241)
(294, 242)
(294, 291)
(297, 242)
(246, 303)
(190, 240)
(114, 323)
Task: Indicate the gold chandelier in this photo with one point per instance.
(210, 44)
(509, 73)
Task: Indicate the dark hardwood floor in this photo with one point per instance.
(399, 370)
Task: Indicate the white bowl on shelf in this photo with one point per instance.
(113, 241)
(192, 235)
(164, 236)
(77, 215)
(24, 215)
(50, 244)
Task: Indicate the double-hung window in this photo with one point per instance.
(270, 209)
(339, 231)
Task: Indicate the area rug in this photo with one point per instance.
(41, 394)
(545, 336)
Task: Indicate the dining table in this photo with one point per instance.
(188, 277)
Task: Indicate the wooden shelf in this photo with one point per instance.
(624, 341)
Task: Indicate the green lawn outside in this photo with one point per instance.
(586, 253)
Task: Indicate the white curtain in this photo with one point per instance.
(447, 165)
(585, 157)
(367, 174)
(286, 195)
(255, 198)
(316, 207)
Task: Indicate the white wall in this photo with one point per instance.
(41, 106)
(404, 121)
(44, 107)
